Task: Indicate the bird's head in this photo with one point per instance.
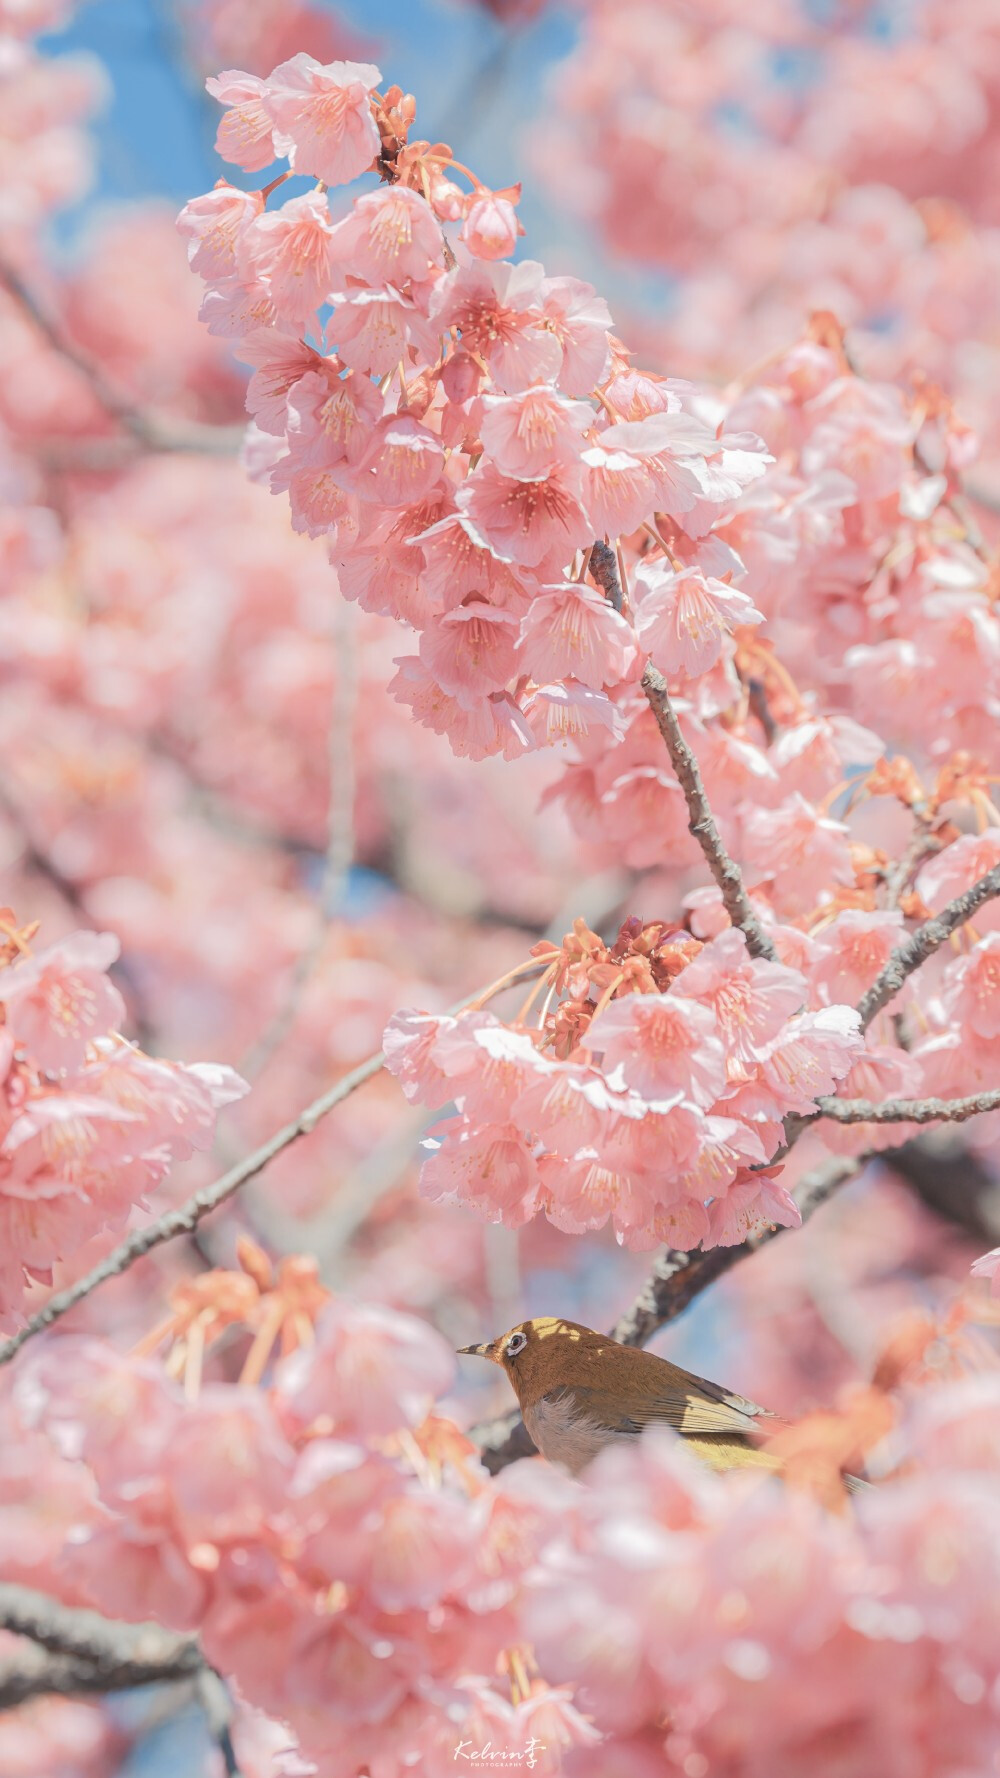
(543, 1354)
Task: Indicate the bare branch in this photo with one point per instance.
(35, 1674)
(85, 1652)
(923, 843)
(952, 1180)
(150, 431)
(702, 822)
(928, 938)
(87, 1635)
(908, 1111)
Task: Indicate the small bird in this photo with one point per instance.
(580, 1390)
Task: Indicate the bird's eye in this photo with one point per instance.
(516, 1344)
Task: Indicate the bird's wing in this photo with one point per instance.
(691, 1405)
(707, 1407)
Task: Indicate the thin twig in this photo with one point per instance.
(701, 820)
(189, 1215)
(148, 430)
(908, 1111)
(217, 1705)
(34, 1674)
(922, 944)
(339, 854)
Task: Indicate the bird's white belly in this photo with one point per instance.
(564, 1435)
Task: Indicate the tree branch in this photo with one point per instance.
(148, 430)
(188, 1216)
(677, 1278)
(908, 1111)
(928, 938)
(952, 1180)
(701, 820)
(84, 1652)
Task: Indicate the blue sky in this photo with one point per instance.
(155, 135)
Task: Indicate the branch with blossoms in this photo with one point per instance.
(488, 468)
(187, 1216)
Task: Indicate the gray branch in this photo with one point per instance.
(79, 1651)
(908, 1111)
(701, 821)
(928, 938)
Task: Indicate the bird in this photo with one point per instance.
(580, 1390)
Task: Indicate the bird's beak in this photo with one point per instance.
(487, 1350)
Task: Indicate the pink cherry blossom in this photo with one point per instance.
(685, 618)
(330, 418)
(323, 118)
(525, 521)
(374, 326)
(498, 310)
(245, 135)
(751, 999)
(58, 1002)
(215, 225)
(369, 1373)
(571, 632)
(663, 1044)
(851, 951)
(471, 649)
(529, 435)
(389, 236)
(291, 250)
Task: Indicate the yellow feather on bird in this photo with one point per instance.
(580, 1390)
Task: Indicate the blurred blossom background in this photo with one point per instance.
(198, 749)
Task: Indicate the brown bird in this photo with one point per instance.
(580, 1390)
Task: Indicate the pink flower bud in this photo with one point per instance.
(491, 227)
(447, 201)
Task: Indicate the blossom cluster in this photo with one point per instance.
(327, 1517)
(711, 1627)
(89, 1125)
(324, 1517)
(653, 1094)
(473, 433)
